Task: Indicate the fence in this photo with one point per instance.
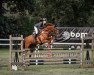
(56, 57)
(42, 57)
(15, 61)
(89, 60)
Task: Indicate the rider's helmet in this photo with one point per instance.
(43, 19)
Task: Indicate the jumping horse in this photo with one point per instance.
(46, 35)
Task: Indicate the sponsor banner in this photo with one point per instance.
(73, 33)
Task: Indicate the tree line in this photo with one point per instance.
(19, 16)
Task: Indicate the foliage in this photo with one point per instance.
(19, 16)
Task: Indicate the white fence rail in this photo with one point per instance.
(53, 43)
(6, 44)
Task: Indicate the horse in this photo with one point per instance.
(47, 35)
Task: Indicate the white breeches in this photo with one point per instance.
(36, 29)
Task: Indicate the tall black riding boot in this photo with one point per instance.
(35, 35)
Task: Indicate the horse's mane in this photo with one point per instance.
(49, 26)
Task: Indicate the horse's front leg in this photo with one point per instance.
(48, 45)
(49, 50)
(37, 49)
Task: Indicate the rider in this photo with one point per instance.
(39, 26)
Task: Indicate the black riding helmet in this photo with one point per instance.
(43, 19)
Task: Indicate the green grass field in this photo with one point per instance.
(41, 69)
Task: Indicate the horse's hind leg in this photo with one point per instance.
(31, 51)
(32, 48)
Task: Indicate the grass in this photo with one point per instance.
(41, 69)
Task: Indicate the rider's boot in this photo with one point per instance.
(35, 35)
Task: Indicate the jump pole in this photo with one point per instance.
(11, 39)
(81, 52)
(10, 51)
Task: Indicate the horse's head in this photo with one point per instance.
(52, 31)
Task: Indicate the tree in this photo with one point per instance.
(19, 16)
